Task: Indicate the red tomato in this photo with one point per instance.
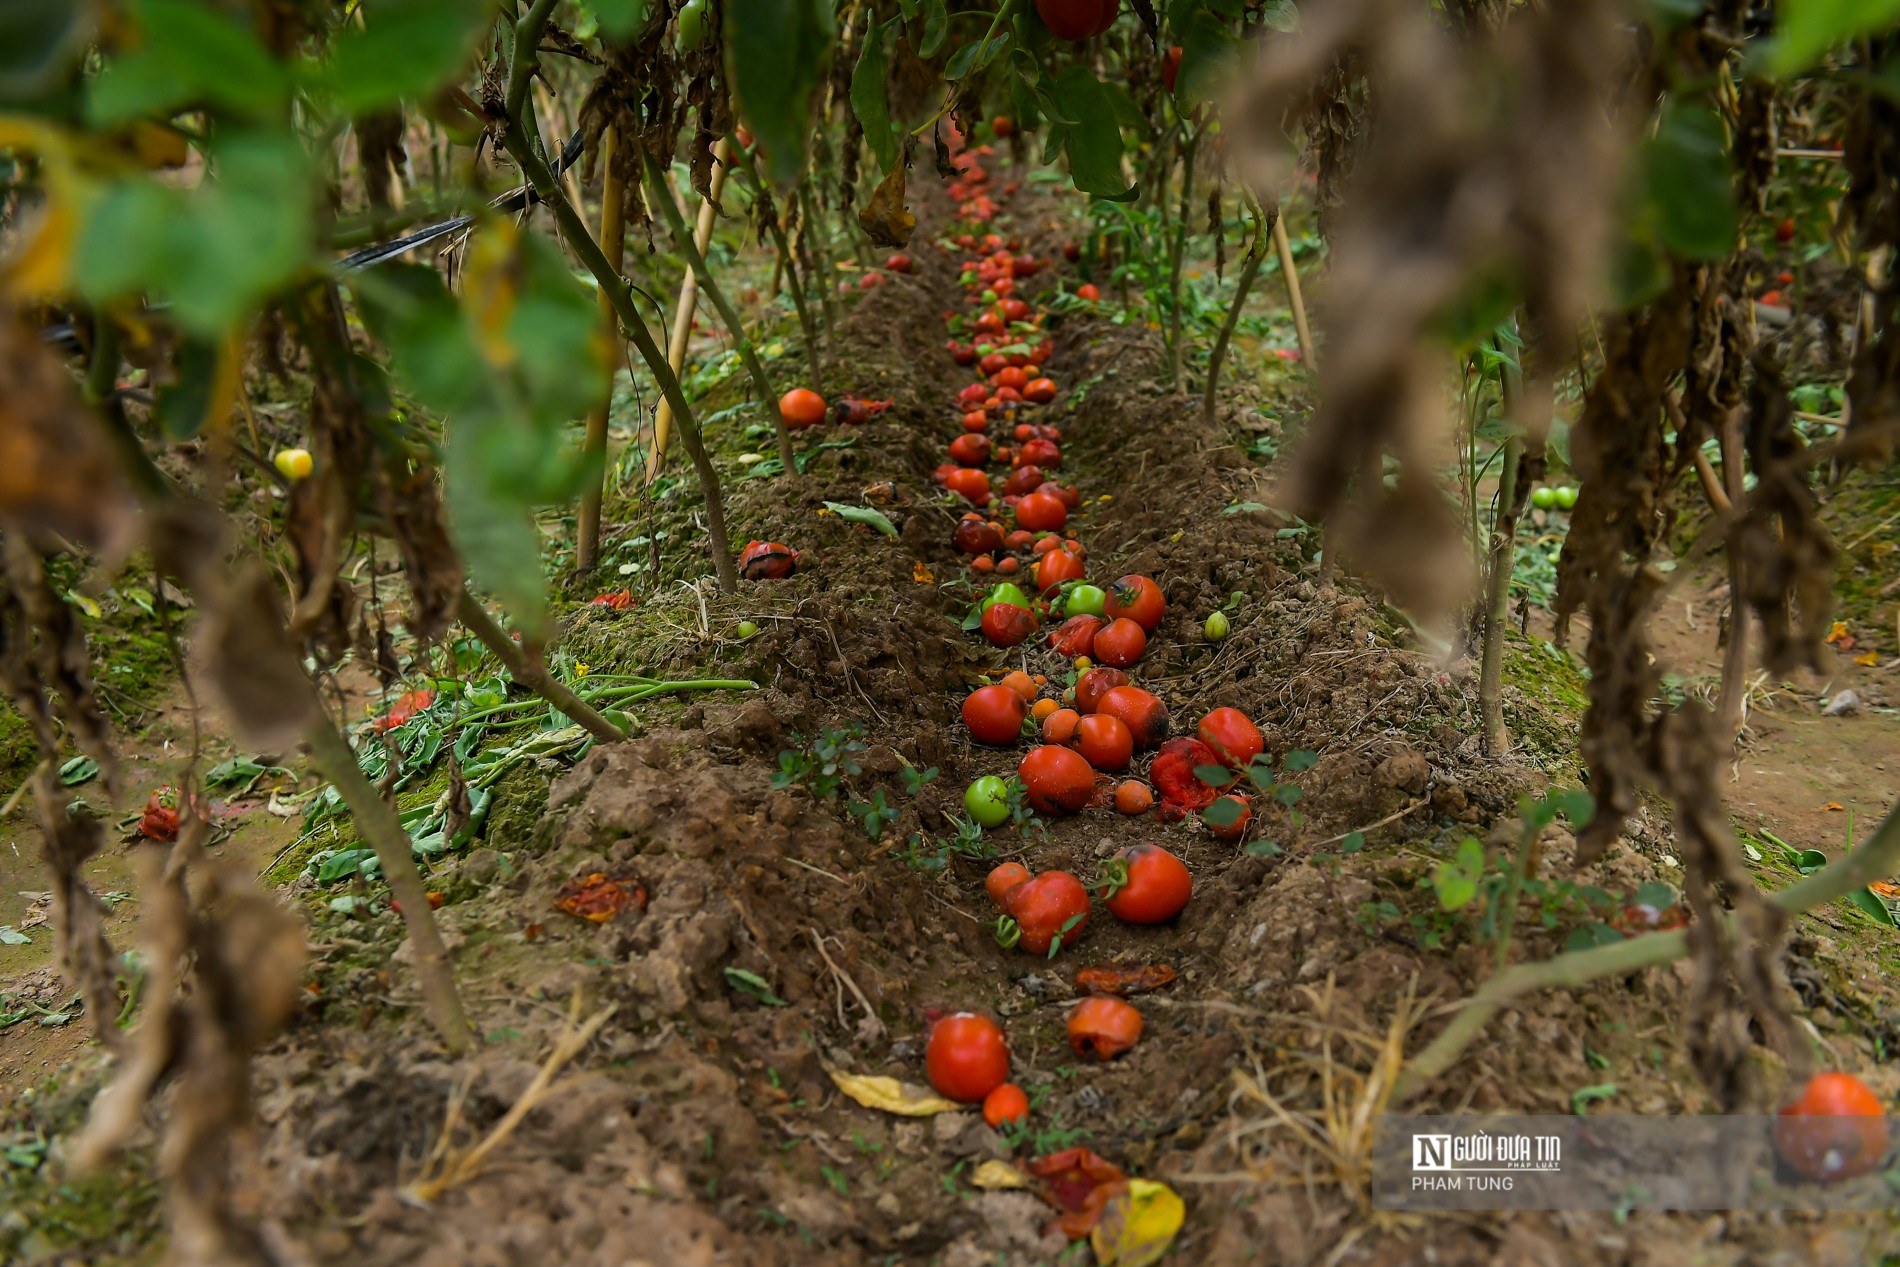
(1784, 232)
(1133, 797)
(1040, 452)
(1010, 376)
(1023, 480)
(1237, 829)
(1173, 773)
(899, 263)
(1054, 904)
(1137, 598)
(1009, 567)
(1104, 742)
(1059, 726)
(1120, 643)
(869, 280)
(973, 536)
(1056, 567)
(1067, 494)
(1007, 1103)
(1072, 251)
(1836, 1130)
(1170, 67)
(1002, 879)
(976, 422)
(1145, 716)
(1002, 126)
(1093, 685)
(994, 714)
(767, 561)
(972, 485)
(1056, 780)
(1006, 624)
(966, 1058)
(1088, 291)
(993, 364)
(1103, 1027)
(1015, 310)
(1040, 390)
(1077, 19)
(975, 393)
(1017, 539)
(1147, 885)
(1039, 512)
(1074, 636)
(801, 408)
(970, 449)
(962, 353)
(1234, 739)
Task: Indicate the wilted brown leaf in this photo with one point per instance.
(885, 217)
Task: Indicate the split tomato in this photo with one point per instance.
(1173, 773)
(1146, 884)
(1103, 1027)
(967, 1057)
(1074, 636)
(1050, 911)
(1056, 780)
(1006, 624)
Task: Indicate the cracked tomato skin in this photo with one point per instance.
(1173, 774)
(1044, 908)
(767, 561)
(1836, 1130)
(1103, 1027)
(966, 1057)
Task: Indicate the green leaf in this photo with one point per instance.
(1583, 1097)
(1287, 794)
(1354, 842)
(869, 99)
(560, 347)
(191, 52)
(1299, 759)
(1242, 508)
(777, 51)
(1656, 894)
(976, 55)
(1576, 805)
(1455, 880)
(1214, 775)
(753, 984)
(1870, 903)
(183, 405)
(863, 515)
(11, 936)
(343, 864)
(1808, 28)
(1224, 812)
(406, 48)
(1094, 140)
(77, 770)
(1262, 848)
(1281, 15)
(936, 22)
(1689, 200)
(1209, 54)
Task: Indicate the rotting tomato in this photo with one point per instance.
(973, 536)
(1006, 624)
(1022, 481)
(1145, 884)
(1050, 911)
(1074, 636)
(1133, 797)
(1119, 980)
(962, 353)
(1040, 452)
(967, 1057)
(970, 484)
(1007, 1104)
(1059, 727)
(1102, 1027)
(802, 408)
(1056, 780)
(1093, 685)
(1145, 716)
(994, 714)
(1173, 773)
(767, 561)
(976, 422)
(1040, 391)
(1233, 737)
(1139, 599)
(1056, 567)
(1039, 512)
(1002, 881)
(970, 449)
(1104, 742)
(1120, 643)
(160, 820)
(1836, 1130)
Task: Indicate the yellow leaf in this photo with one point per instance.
(1138, 1226)
(922, 575)
(1869, 660)
(491, 286)
(41, 267)
(159, 146)
(994, 1174)
(84, 604)
(1838, 632)
(888, 1095)
(1834, 807)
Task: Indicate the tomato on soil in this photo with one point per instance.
(1120, 643)
(1836, 1130)
(801, 408)
(1056, 780)
(1039, 512)
(1053, 905)
(1116, 979)
(1006, 624)
(1093, 685)
(1022, 481)
(1056, 567)
(966, 1057)
(1002, 881)
(1040, 390)
(994, 714)
(1103, 1027)
(1133, 797)
(1104, 742)
(899, 263)
(986, 801)
(1074, 636)
(1088, 291)
(973, 536)
(1234, 738)
(1147, 885)
(972, 485)
(1173, 773)
(1235, 830)
(1040, 452)
(1145, 716)
(1137, 598)
(767, 561)
(1059, 727)
(1008, 1103)
(1022, 684)
(970, 449)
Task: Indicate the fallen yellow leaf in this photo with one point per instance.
(888, 1095)
(1834, 807)
(1138, 1226)
(1869, 660)
(1885, 889)
(1838, 632)
(994, 1174)
(922, 575)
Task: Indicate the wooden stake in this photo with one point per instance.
(1294, 301)
(687, 306)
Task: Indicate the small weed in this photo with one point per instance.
(822, 766)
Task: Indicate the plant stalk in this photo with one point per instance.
(1729, 706)
(1188, 148)
(688, 304)
(1497, 600)
(532, 673)
(1242, 286)
(613, 241)
(788, 263)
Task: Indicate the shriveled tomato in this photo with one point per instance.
(1040, 391)
(1120, 643)
(1023, 480)
(970, 449)
(1002, 879)
(1836, 1130)
(1053, 905)
(973, 536)
(1234, 739)
(1145, 884)
(1056, 567)
(1133, 797)
(1041, 452)
(1173, 773)
(967, 1057)
(1039, 512)
(1009, 1103)
(767, 561)
(1104, 742)
(1117, 979)
(1139, 599)
(1056, 780)
(1103, 1027)
(802, 407)
(1145, 716)
(1080, 1183)
(1091, 686)
(160, 820)
(970, 484)
(1059, 726)
(1006, 624)
(1074, 636)
(1077, 19)
(994, 714)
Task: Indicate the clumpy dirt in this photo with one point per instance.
(780, 941)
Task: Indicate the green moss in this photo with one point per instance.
(521, 797)
(1551, 696)
(46, 1215)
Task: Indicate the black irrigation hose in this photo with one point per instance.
(66, 335)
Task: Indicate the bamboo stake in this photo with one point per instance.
(687, 306)
(613, 242)
(1293, 298)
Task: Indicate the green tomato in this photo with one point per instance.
(988, 296)
(1085, 600)
(692, 25)
(746, 629)
(987, 799)
(964, 279)
(1007, 593)
(1566, 498)
(1216, 627)
(1544, 498)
